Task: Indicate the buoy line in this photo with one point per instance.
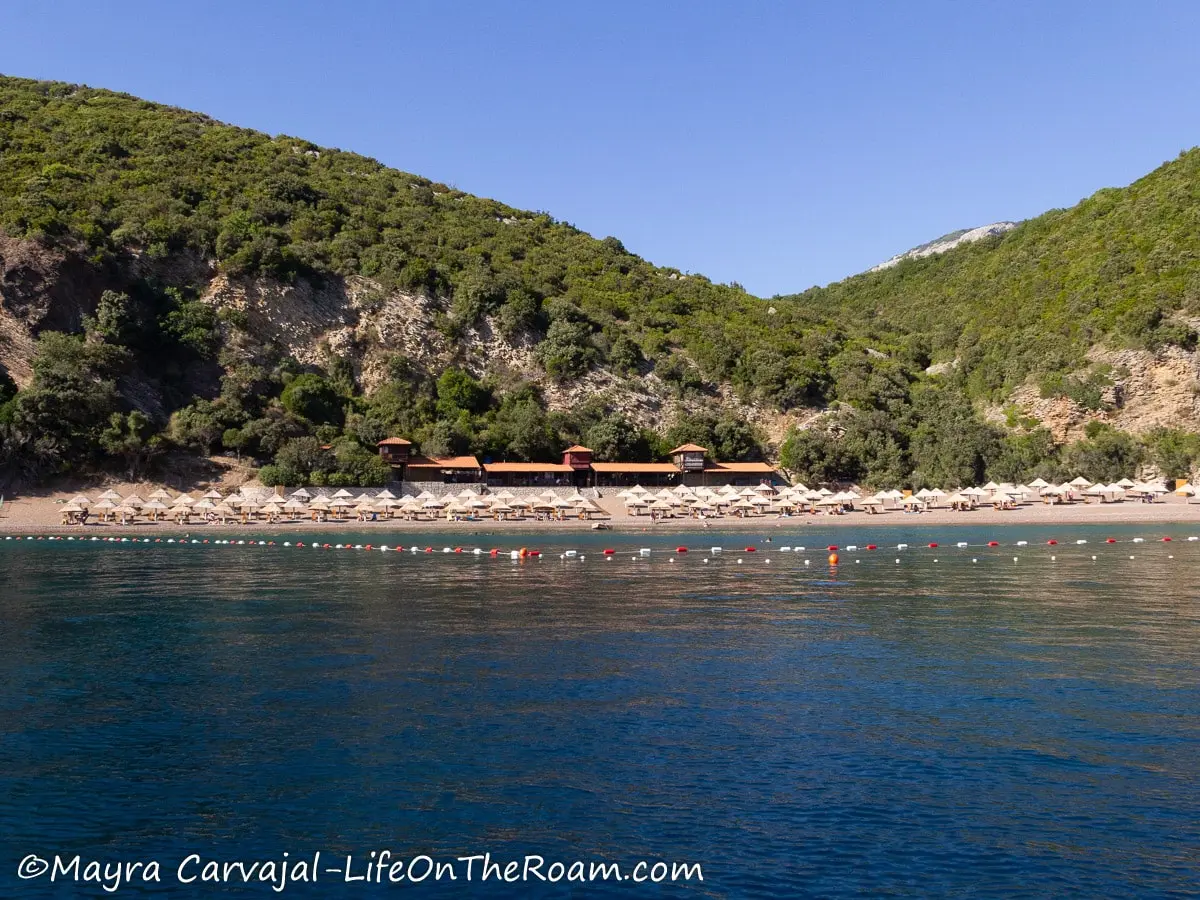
(607, 554)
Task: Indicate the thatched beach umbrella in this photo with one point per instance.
(160, 494)
(110, 495)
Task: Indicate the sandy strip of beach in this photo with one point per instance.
(42, 515)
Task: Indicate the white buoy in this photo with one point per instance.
(1093, 556)
(974, 559)
(1053, 558)
(806, 562)
(1022, 543)
(571, 553)
(902, 546)
(962, 543)
(1139, 540)
(1081, 541)
(850, 547)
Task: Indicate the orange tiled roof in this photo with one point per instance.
(577, 449)
(636, 468)
(444, 462)
(744, 467)
(394, 441)
(688, 448)
(501, 467)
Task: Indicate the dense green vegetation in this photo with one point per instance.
(155, 372)
(1119, 266)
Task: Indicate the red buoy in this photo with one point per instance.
(1051, 542)
(993, 543)
(751, 549)
(1110, 540)
(870, 546)
(832, 548)
(458, 549)
(493, 552)
(1166, 539)
(681, 549)
(607, 552)
(933, 545)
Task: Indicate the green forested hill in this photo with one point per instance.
(1117, 267)
(148, 203)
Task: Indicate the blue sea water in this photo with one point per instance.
(970, 726)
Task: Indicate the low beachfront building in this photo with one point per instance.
(622, 474)
(395, 451)
(698, 470)
(529, 474)
(689, 465)
(444, 469)
(579, 458)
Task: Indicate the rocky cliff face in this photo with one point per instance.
(948, 242)
(1148, 391)
(355, 318)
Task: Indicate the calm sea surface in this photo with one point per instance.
(948, 728)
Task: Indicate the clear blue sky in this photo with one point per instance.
(774, 144)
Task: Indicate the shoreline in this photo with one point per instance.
(42, 517)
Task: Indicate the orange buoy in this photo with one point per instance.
(833, 559)
(522, 553)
